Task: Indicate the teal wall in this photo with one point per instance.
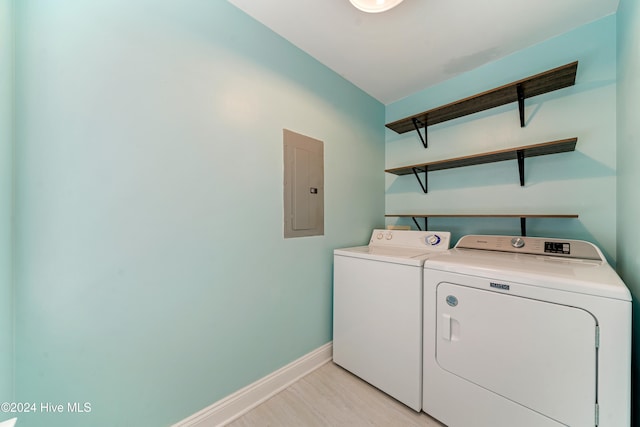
(582, 182)
(152, 278)
(6, 201)
(628, 171)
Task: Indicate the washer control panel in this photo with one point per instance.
(439, 240)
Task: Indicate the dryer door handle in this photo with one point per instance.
(445, 329)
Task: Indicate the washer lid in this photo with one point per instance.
(396, 255)
(568, 274)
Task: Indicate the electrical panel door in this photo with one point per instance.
(303, 185)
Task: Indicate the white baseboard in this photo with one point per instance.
(233, 406)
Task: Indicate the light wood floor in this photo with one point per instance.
(332, 396)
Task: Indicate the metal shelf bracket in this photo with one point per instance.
(416, 124)
(415, 221)
(523, 226)
(423, 186)
(520, 154)
(521, 103)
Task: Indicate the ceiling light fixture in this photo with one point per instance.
(375, 6)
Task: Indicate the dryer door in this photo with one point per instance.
(538, 354)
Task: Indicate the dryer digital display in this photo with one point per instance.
(557, 248)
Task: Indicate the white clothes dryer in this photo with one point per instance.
(377, 310)
(527, 332)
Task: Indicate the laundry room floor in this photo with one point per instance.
(332, 396)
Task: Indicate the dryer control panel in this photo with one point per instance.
(533, 245)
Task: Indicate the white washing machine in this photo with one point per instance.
(527, 332)
(377, 310)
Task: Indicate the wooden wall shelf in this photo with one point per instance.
(538, 84)
(518, 153)
(523, 218)
(517, 91)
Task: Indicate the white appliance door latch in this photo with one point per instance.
(446, 327)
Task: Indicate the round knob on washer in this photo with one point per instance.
(517, 242)
(379, 236)
(432, 239)
(389, 236)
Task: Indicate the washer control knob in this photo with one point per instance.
(389, 236)
(379, 236)
(432, 239)
(517, 242)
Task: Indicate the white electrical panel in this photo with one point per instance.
(303, 185)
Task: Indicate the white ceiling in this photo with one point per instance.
(420, 42)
